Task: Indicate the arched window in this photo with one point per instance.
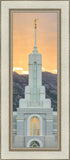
(34, 126)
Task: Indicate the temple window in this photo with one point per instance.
(34, 126)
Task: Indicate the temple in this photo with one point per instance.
(35, 122)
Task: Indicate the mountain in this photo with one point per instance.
(49, 80)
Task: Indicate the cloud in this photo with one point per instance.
(25, 72)
(20, 70)
(43, 69)
(17, 69)
(54, 71)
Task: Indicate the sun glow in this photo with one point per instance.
(24, 37)
(20, 70)
(25, 72)
(17, 69)
(54, 71)
(51, 71)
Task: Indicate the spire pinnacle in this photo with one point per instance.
(35, 48)
(35, 22)
(35, 29)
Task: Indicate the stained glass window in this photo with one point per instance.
(34, 126)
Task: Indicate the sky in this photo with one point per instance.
(24, 36)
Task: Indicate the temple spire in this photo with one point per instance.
(35, 30)
(35, 47)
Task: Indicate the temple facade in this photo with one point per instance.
(34, 122)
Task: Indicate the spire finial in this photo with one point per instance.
(35, 22)
(35, 48)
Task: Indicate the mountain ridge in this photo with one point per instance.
(49, 80)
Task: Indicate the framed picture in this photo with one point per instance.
(35, 112)
(35, 80)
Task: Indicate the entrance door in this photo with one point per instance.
(34, 144)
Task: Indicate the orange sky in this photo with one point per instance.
(23, 40)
